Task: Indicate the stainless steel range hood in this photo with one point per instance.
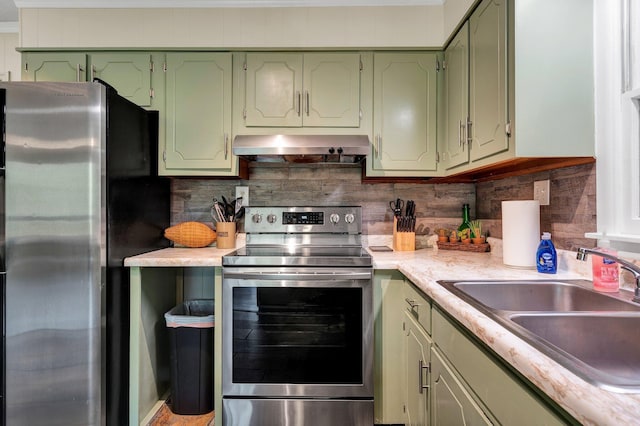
(302, 148)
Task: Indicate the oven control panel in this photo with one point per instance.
(344, 220)
(303, 218)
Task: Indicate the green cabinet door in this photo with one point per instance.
(390, 373)
(273, 90)
(456, 88)
(404, 115)
(53, 66)
(331, 94)
(451, 404)
(488, 110)
(128, 72)
(417, 350)
(198, 113)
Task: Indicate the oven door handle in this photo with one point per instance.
(306, 275)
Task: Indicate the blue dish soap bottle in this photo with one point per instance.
(547, 258)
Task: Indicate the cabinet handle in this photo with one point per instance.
(306, 95)
(422, 366)
(459, 132)
(78, 71)
(469, 123)
(226, 145)
(298, 99)
(93, 72)
(411, 303)
(379, 146)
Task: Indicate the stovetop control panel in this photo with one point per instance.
(340, 220)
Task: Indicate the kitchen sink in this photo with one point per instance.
(595, 335)
(556, 296)
(601, 348)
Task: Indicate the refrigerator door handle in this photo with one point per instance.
(3, 132)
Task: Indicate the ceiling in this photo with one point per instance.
(9, 11)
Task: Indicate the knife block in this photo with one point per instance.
(403, 241)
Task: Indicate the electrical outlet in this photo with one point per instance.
(243, 191)
(541, 191)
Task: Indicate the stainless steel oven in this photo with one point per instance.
(298, 320)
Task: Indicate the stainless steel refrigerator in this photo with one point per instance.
(80, 193)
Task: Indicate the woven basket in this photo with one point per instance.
(191, 234)
(476, 248)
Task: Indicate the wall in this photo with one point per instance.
(572, 208)
(570, 214)
(9, 57)
(436, 205)
(224, 28)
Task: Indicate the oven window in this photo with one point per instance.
(297, 335)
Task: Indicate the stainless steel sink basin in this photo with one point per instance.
(595, 335)
(556, 296)
(601, 348)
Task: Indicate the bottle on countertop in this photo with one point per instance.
(605, 271)
(465, 221)
(547, 258)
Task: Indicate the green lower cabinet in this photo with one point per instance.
(389, 370)
(467, 378)
(451, 403)
(417, 350)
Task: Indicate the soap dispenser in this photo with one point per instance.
(547, 258)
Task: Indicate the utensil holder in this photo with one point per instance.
(226, 235)
(403, 241)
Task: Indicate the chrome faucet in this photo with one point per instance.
(633, 268)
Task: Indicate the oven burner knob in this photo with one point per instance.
(349, 218)
(272, 218)
(256, 218)
(334, 218)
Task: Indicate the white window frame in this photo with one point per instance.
(617, 112)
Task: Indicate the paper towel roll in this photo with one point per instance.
(520, 232)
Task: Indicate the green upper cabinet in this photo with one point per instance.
(54, 66)
(128, 72)
(475, 75)
(296, 90)
(456, 105)
(198, 115)
(537, 103)
(488, 130)
(404, 123)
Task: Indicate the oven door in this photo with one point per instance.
(297, 332)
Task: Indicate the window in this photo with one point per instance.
(617, 112)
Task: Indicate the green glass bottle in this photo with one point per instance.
(465, 221)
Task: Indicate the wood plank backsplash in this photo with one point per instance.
(570, 215)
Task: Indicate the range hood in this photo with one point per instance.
(302, 148)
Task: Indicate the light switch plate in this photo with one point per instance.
(541, 191)
(243, 191)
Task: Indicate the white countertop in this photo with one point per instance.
(587, 403)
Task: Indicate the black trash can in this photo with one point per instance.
(190, 326)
